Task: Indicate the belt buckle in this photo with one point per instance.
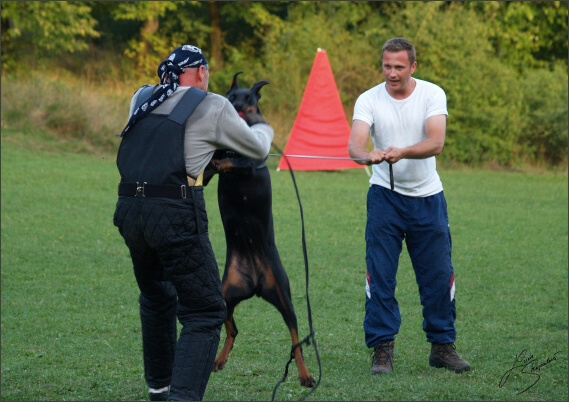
(140, 189)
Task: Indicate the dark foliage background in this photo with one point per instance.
(503, 65)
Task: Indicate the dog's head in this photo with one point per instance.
(245, 100)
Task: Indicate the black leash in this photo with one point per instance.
(310, 337)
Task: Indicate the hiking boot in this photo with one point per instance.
(382, 358)
(444, 355)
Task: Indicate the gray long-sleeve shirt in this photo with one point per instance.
(213, 125)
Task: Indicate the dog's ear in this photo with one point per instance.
(257, 87)
(234, 85)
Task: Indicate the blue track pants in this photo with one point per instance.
(423, 223)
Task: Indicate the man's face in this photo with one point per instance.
(397, 71)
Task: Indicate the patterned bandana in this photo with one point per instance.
(186, 56)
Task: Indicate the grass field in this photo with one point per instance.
(70, 326)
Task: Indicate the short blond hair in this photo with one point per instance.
(399, 44)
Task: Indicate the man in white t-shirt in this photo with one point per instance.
(407, 121)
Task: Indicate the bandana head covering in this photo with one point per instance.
(186, 56)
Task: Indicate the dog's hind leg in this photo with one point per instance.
(236, 288)
(276, 290)
(231, 332)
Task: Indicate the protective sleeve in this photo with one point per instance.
(234, 133)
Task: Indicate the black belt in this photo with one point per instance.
(152, 190)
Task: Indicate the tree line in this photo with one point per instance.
(502, 64)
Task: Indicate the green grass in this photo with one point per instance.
(70, 326)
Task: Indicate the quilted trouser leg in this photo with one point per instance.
(201, 308)
(201, 311)
(159, 334)
(169, 240)
(189, 262)
(157, 299)
(193, 365)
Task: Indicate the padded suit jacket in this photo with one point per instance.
(156, 208)
(215, 125)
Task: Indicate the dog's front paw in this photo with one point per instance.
(222, 165)
(254, 118)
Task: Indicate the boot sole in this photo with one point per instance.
(439, 364)
(382, 371)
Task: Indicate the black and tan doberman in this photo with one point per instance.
(252, 266)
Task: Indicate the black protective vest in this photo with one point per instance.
(153, 150)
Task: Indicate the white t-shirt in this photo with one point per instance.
(401, 123)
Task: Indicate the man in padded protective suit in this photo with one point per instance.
(162, 217)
